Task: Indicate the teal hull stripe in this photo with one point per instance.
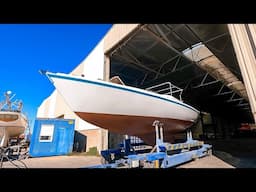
(121, 88)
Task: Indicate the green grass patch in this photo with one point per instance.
(92, 152)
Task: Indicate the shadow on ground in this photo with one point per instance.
(239, 152)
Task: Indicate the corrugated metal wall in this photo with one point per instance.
(244, 41)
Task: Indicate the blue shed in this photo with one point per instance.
(52, 137)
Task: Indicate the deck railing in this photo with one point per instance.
(167, 88)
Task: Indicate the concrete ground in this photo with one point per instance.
(238, 152)
(207, 162)
(55, 162)
(83, 161)
(227, 153)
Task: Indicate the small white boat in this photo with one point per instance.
(123, 109)
(12, 121)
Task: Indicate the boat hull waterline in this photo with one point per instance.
(123, 109)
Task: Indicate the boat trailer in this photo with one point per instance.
(166, 155)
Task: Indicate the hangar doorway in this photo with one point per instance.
(200, 59)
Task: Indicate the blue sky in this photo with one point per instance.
(27, 48)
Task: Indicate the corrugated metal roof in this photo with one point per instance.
(153, 53)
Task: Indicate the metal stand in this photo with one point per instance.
(5, 154)
(181, 153)
(159, 133)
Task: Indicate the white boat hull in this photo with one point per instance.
(123, 109)
(12, 124)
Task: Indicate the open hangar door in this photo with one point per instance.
(200, 59)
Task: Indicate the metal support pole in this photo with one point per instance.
(161, 132)
(156, 123)
(127, 144)
(189, 135)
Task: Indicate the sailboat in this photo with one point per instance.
(12, 121)
(124, 109)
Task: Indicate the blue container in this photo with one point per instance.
(52, 137)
